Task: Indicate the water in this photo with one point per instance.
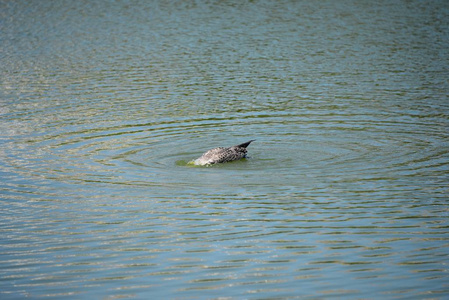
(345, 193)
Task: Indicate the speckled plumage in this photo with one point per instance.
(222, 154)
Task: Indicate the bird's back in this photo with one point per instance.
(222, 154)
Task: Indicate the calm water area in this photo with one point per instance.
(344, 194)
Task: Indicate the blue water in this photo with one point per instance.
(345, 190)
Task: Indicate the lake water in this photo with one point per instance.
(346, 190)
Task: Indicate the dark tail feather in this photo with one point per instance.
(244, 145)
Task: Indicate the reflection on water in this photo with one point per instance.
(345, 190)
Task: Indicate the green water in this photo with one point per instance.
(345, 190)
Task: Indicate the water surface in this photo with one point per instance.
(345, 193)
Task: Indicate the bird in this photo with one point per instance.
(222, 154)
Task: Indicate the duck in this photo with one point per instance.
(222, 154)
